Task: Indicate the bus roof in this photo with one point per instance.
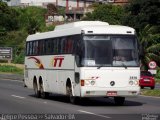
(85, 27)
(81, 24)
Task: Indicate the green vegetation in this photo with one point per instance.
(157, 81)
(151, 92)
(157, 77)
(150, 40)
(17, 23)
(107, 13)
(10, 69)
(141, 13)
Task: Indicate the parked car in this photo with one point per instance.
(147, 80)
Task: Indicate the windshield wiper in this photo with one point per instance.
(99, 67)
(124, 65)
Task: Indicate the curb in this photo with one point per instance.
(11, 77)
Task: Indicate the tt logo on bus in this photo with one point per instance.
(57, 61)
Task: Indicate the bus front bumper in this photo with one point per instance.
(109, 92)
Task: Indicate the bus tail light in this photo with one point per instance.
(82, 82)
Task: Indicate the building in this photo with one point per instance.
(120, 2)
(23, 3)
(63, 3)
(75, 9)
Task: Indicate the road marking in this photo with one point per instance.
(4, 79)
(18, 96)
(149, 96)
(82, 111)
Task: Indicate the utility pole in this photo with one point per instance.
(77, 4)
(56, 3)
(67, 6)
(84, 3)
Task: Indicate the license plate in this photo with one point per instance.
(146, 80)
(112, 93)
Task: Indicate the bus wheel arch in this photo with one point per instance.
(69, 92)
(68, 83)
(43, 94)
(35, 87)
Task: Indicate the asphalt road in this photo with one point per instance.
(17, 100)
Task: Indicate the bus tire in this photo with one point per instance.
(119, 100)
(72, 99)
(36, 91)
(43, 94)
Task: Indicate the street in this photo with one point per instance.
(15, 99)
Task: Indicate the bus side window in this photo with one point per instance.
(35, 47)
(27, 51)
(59, 46)
(30, 49)
(67, 45)
(70, 45)
(54, 46)
(40, 47)
(49, 46)
(46, 47)
(43, 47)
(76, 46)
(62, 45)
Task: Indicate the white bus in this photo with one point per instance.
(84, 59)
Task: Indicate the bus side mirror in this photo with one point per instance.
(77, 59)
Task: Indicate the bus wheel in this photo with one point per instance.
(43, 94)
(36, 91)
(119, 100)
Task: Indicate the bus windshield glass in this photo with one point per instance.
(110, 50)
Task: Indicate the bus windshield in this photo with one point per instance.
(110, 50)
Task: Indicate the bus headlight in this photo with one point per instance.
(135, 82)
(90, 82)
(87, 82)
(93, 82)
(131, 82)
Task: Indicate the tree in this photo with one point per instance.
(150, 40)
(9, 17)
(141, 13)
(108, 13)
(8, 21)
(32, 19)
(32, 26)
(16, 40)
(52, 9)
